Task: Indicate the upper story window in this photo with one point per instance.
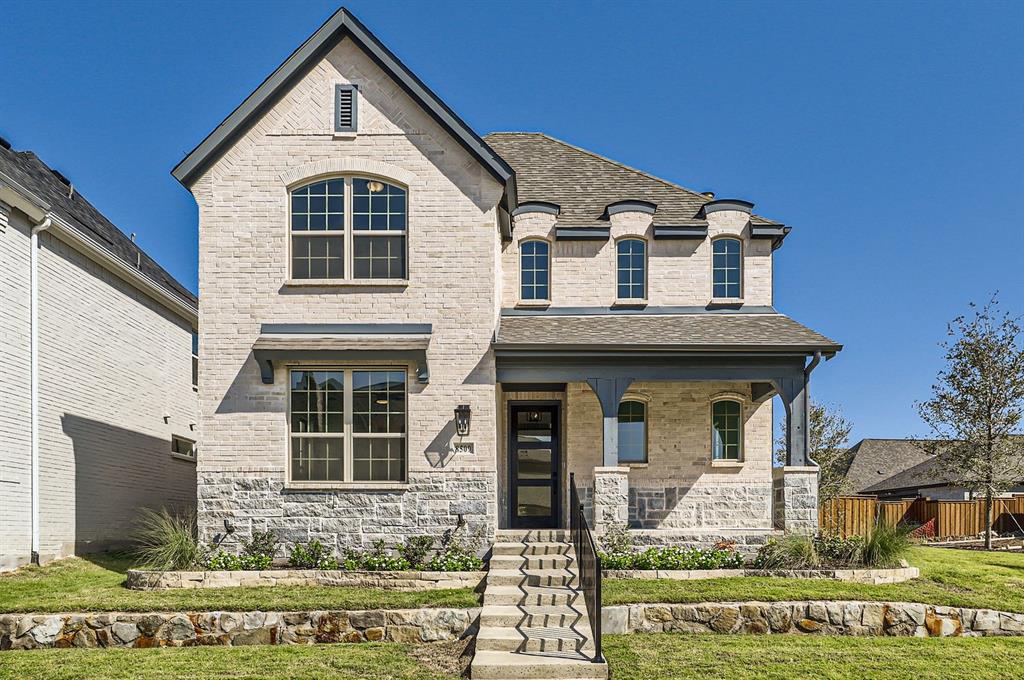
(182, 447)
(726, 265)
(534, 270)
(726, 430)
(632, 431)
(195, 360)
(631, 264)
(349, 228)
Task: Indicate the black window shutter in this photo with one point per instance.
(345, 108)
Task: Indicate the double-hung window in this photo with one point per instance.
(534, 271)
(727, 268)
(632, 431)
(726, 430)
(348, 228)
(347, 425)
(631, 266)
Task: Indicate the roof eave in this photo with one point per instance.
(789, 350)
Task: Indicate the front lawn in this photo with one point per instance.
(373, 661)
(960, 578)
(669, 656)
(95, 584)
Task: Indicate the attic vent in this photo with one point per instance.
(346, 103)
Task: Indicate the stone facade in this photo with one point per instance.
(137, 579)
(114, 386)
(795, 499)
(895, 619)
(189, 629)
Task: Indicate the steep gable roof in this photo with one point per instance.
(341, 24)
(583, 183)
(873, 461)
(30, 172)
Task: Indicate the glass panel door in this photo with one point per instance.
(534, 465)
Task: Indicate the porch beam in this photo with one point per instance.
(609, 393)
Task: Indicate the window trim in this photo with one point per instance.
(348, 434)
(647, 429)
(182, 456)
(535, 301)
(619, 301)
(741, 430)
(728, 237)
(347, 233)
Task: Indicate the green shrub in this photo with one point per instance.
(378, 559)
(167, 540)
(617, 540)
(837, 551)
(225, 561)
(886, 546)
(313, 555)
(415, 550)
(452, 559)
(673, 558)
(262, 544)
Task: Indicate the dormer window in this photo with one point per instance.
(534, 271)
(631, 267)
(348, 228)
(727, 258)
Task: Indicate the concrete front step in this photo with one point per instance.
(498, 665)
(537, 548)
(532, 616)
(529, 595)
(532, 639)
(530, 561)
(531, 535)
(532, 577)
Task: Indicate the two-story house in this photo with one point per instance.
(404, 324)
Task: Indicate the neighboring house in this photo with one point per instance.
(377, 278)
(99, 411)
(903, 468)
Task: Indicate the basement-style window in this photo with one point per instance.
(182, 447)
(727, 268)
(348, 229)
(631, 265)
(726, 430)
(534, 270)
(632, 432)
(347, 425)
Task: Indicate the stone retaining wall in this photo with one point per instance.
(32, 631)
(138, 579)
(872, 576)
(811, 617)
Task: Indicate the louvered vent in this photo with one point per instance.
(345, 108)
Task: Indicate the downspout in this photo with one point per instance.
(815, 360)
(34, 380)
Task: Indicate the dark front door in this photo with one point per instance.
(533, 466)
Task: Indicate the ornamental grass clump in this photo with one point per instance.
(886, 546)
(167, 540)
(883, 548)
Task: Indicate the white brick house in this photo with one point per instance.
(368, 264)
(99, 413)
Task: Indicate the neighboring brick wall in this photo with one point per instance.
(15, 451)
(243, 270)
(679, 272)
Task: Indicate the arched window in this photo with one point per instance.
(631, 264)
(632, 432)
(726, 430)
(337, 237)
(534, 270)
(727, 268)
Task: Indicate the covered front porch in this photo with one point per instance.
(673, 440)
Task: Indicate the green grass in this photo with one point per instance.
(960, 578)
(674, 655)
(95, 584)
(370, 661)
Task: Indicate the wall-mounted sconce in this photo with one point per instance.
(462, 418)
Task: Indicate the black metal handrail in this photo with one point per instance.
(588, 563)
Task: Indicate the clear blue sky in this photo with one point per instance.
(889, 136)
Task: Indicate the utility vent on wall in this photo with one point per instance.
(345, 108)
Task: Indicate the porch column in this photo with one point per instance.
(795, 486)
(793, 390)
(609, 392)
(611, 498)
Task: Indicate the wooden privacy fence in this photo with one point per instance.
(856, 515)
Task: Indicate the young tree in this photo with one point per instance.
(828, 436)
(977, 403)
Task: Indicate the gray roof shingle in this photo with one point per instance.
(874, 461)
(696, 331)
(25, 168)
(583, 183)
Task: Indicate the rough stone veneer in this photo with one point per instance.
(138, 579)
(796, 499)
(611, 497)
(900, 619)
(33, 631)
(870, 576)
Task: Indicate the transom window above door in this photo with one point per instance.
(348, 229)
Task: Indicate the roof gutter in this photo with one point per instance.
(34, 379)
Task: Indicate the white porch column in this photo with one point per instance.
(795, 503)
(611, 497)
